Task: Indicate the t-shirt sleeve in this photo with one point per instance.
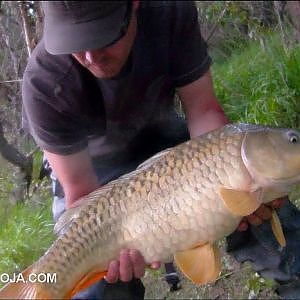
(46, 116)
(189, 57)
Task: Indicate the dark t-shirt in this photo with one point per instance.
(67, 109)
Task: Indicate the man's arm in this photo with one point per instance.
(202, 109)
(75, 173)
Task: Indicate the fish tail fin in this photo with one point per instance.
(22, 288)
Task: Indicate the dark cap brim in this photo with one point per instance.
(62, 38)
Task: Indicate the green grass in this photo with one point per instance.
(26, 233)
(25, 227)
(261, 85)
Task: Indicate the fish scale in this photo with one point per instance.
(171, 203)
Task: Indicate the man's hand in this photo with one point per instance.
(264, 212)
(130, 265)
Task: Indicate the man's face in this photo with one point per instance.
(107, 62)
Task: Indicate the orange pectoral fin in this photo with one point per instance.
(86, 281)
(22, 288)
(240, 203)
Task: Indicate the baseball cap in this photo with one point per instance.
(75, 26)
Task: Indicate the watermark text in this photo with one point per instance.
(31, 278)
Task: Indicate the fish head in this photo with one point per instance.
(272, 155)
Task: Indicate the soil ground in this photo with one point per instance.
(237, 281)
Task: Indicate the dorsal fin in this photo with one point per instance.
(73, 213)
(65, 219)
(155, 158)
(144, 165)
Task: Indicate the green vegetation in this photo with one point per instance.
(261, 84)
(255, 284)
(26, 227)
(26, 233)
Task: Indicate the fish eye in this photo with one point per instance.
(293, 138)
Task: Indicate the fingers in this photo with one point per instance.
(264, 212)
(138, 263)
(155, 265)
(126, 268)
(277, 203)
(130, 265)
(261, 214)
(112, 275)
(254, 220)
(243, 226)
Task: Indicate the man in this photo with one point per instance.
(98, 97)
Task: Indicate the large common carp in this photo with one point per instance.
(177, 203)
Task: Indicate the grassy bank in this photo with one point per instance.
(25, 227)
(261, 84)
(26, 233)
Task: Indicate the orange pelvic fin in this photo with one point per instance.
(86, 281)
(202, 264)
(21, 288)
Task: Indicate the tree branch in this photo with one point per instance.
(217, 22)
(11, 81)
(39, 21)
(277, 6)
(13, 156)
(8, 44)
(26, 27)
